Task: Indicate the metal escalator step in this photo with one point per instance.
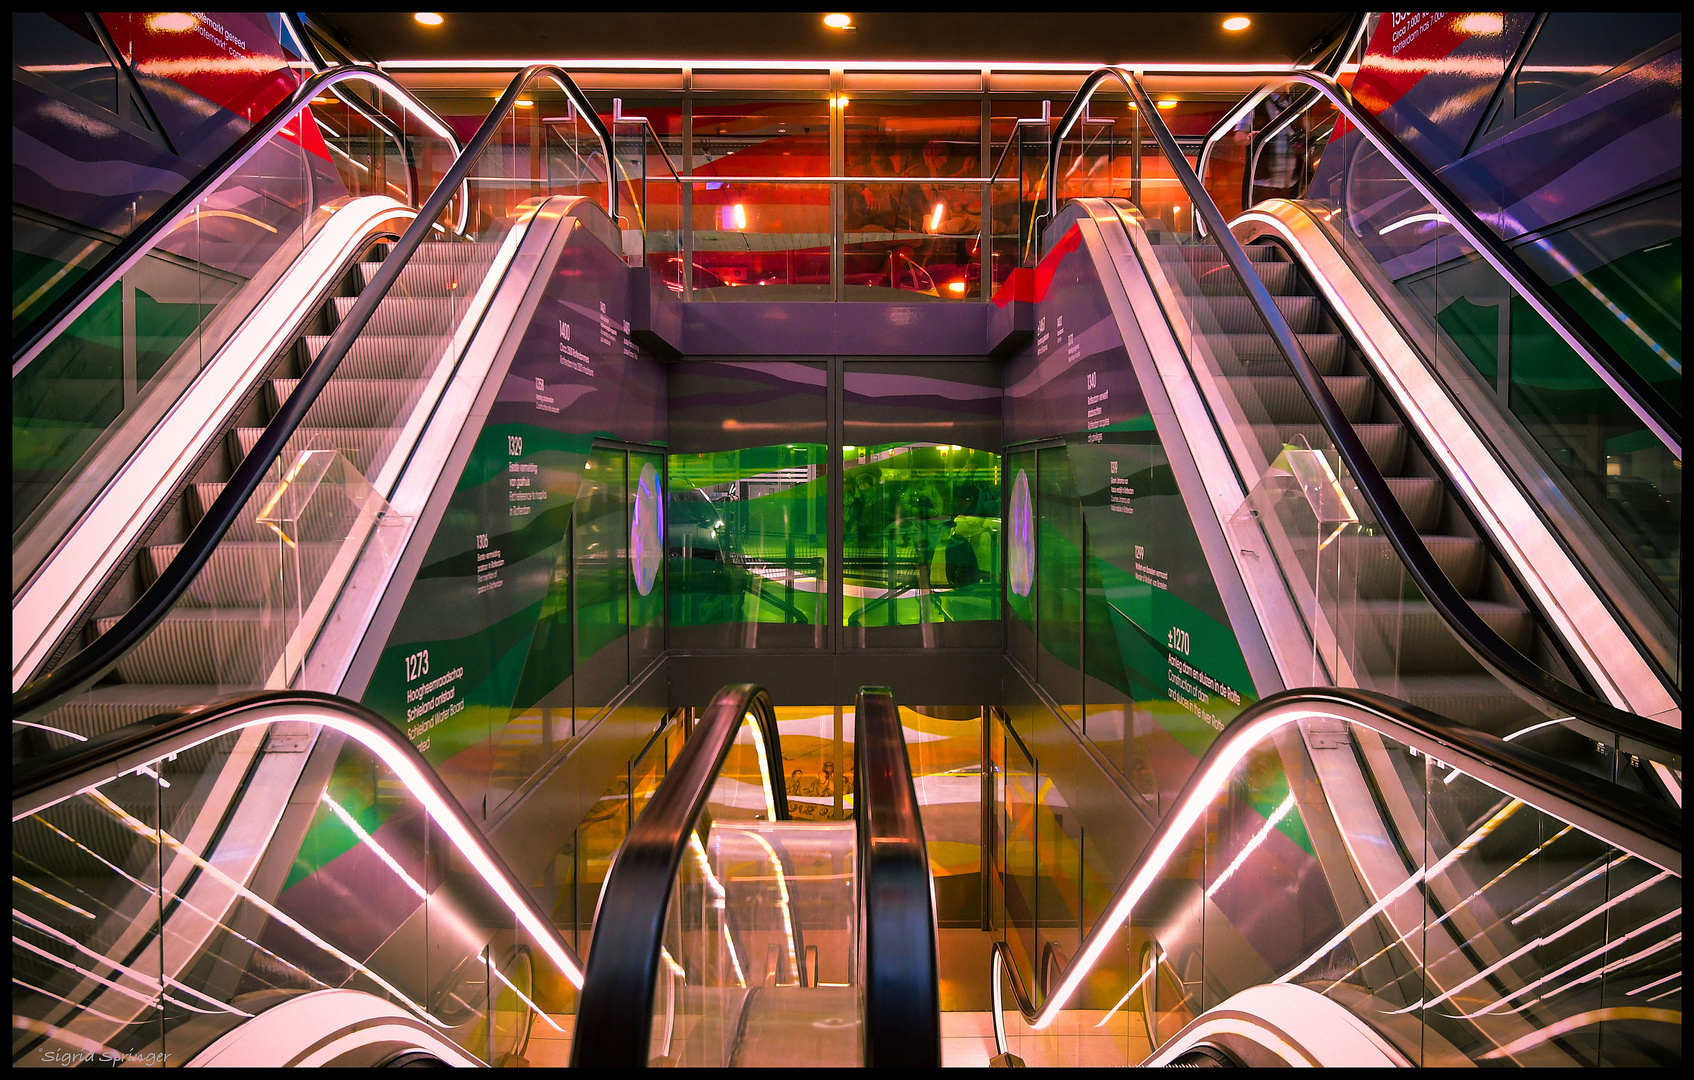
(350, 403)
(1239, 354)
(1280, 398)
(1372, 562)
(206, 646)
(1421, 498)
(1385, 443)
(455, 253)
(249, 573)
(1218, 279)
(403, 314)
(366, 448)
(322, 519)
(1206, 253)
(433, 278)
(107, 708)
(383, 356)
(1234, 313)
(1408, 636)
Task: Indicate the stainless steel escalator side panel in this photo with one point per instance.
(336, 1028)
(346, 651)
(1198, 459)
(1281, 1025)
(1494, 481)
(54, 597)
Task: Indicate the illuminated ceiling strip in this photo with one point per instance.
(1590, 955)
(16, 880)
(825, 66)
(260, 902)
(370, 841)
(1542, 940)
(1400, 890)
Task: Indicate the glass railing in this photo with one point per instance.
(175, 885)
(238, 603)
(1469, 901)
(651, 186)
(729, 935)
(94, 371)
(1586, 384)
(1379, 606)
(1017, 202)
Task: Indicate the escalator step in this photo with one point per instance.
(206, 646)
(1328, 353)
(383, 356)
(107, 708)
(1235, 314)
(1385, 443)
(1218, 279)
(346, 402)
(323, 519)
(451, 278)
(249, 573)
(1279, 398)
(1408, 636)
(402, 314)
(1480, 701)
(1373, 563)
(1421, 498)
(364, 447)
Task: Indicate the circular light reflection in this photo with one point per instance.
(837, 20)
(1237, 22)
(1020, 559)
(646, 530)
(429, 18)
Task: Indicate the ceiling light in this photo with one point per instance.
(525, 103)
(957, 288)
(838, 21)
(1167, 103)
(323, 101)
(172, 20)
(428, 18)
(935, 218)
(1237, 22)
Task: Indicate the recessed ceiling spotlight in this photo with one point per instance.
(1237, 22)
(525, 103)
(1167, 103)
(837, 20)
(428, 18)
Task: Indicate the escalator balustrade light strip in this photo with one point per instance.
(1582, 1020)
(1572, 887)
(369, 841)
(1574, 964)
(260, 902)
(1253, 844)
(1655, 982)
(20, 1021)
(1618, 965)
(138, 976)
(16, 880)
(176, 897)
(54, 730)
(1406, 886)
(764, 771)
(538, 1010)
(717, 888)
(782, 900)
(1158, 955)
(1667, 993)
(1541, 941)
(1386, 949)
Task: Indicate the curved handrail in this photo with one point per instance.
(1616, 816)
(614, 1020)
(98, 657)
(1595, 351)
(50, 324)
(898, 963)
(60, 775)
(1482, 639)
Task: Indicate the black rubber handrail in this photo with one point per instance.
(614, 1018)
(61, 774)
(46, 692)
(1482, 639)
(47, 326)
(898, 958)
(1630, 822)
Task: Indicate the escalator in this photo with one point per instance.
(157, 918)
(730, 935)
